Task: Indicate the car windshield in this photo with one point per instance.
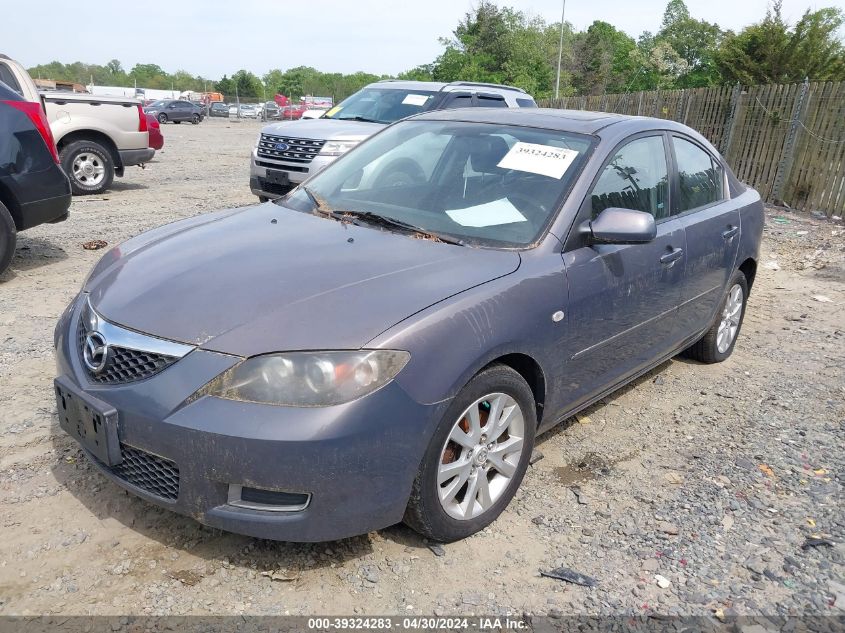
(480, 183)
(381, 105)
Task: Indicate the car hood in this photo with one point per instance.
(323, 129)
(242, 284)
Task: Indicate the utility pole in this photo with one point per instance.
(560, 51)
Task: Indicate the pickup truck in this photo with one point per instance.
(96, 137)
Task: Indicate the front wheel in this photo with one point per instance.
(195, 119)
(718, 343)
(162, 118)
(476, 458)
(89, 167)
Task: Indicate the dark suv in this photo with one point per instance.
(33, 187)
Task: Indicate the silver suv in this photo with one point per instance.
(287, 153)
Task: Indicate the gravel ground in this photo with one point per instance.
(692, 491)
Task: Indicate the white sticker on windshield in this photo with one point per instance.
(545, 160)
(416, 100)
(488, 214)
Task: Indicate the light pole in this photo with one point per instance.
(560, 51)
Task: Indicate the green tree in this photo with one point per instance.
(772, 52)
(694, 41)
(604, 60)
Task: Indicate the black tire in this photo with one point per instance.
(162, 118)
(80, 183)
(8, 238)
(706, 350)
(195, 119)
(424, 513)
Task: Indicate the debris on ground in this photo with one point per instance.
(94, 245)
(282, 575)
(569, 575)
(437, 549)
(816, 542)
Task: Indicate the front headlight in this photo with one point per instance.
(336, 148)
(307, 379)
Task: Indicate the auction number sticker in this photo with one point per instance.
(545, 160)
(415, 100)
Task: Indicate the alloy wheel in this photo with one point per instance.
(480, 456)
(729, 325)
(88, 169)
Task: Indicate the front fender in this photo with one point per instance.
(453, 340)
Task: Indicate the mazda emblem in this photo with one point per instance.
(95, 354)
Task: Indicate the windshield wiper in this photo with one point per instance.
(380, 220)
(360, 118)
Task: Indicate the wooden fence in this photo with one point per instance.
(787, 141)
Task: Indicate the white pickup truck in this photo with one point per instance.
(97, 137)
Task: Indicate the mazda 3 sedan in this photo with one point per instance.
(384, 343)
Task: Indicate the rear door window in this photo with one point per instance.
(699, 176)
(458, 100)
(490, 101)
(526, 103)
(635, 178)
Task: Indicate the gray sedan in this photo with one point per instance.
(385, 342)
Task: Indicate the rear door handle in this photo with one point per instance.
(730, 232)
(671, 256)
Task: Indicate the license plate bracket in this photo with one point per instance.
(278, 177)
(90, 421)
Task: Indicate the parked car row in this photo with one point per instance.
(404, 323)
(96, 137)
(590, 246)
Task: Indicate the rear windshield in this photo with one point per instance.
(381, 105)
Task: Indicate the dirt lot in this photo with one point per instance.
(711, 477)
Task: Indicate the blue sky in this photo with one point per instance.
(215, 37)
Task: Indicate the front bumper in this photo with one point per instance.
(356, 461)
(261, 186)
(129, 157)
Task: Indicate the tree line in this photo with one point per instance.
(500, 44)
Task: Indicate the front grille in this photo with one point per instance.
(151, 473)
(298, 150)
(123, 364)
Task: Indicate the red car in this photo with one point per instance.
(156, 138)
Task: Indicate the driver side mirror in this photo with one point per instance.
(622, 226)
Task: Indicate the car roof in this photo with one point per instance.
(440, 86)
(578, 121)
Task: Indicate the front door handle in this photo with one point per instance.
(730, 232)
(671, 256)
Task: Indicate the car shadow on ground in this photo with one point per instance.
(106, 500)
(32, 253)
(123, 185)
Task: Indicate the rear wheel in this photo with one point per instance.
(718, 343)
(8, 238)
(89, 167)
(476, 458)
